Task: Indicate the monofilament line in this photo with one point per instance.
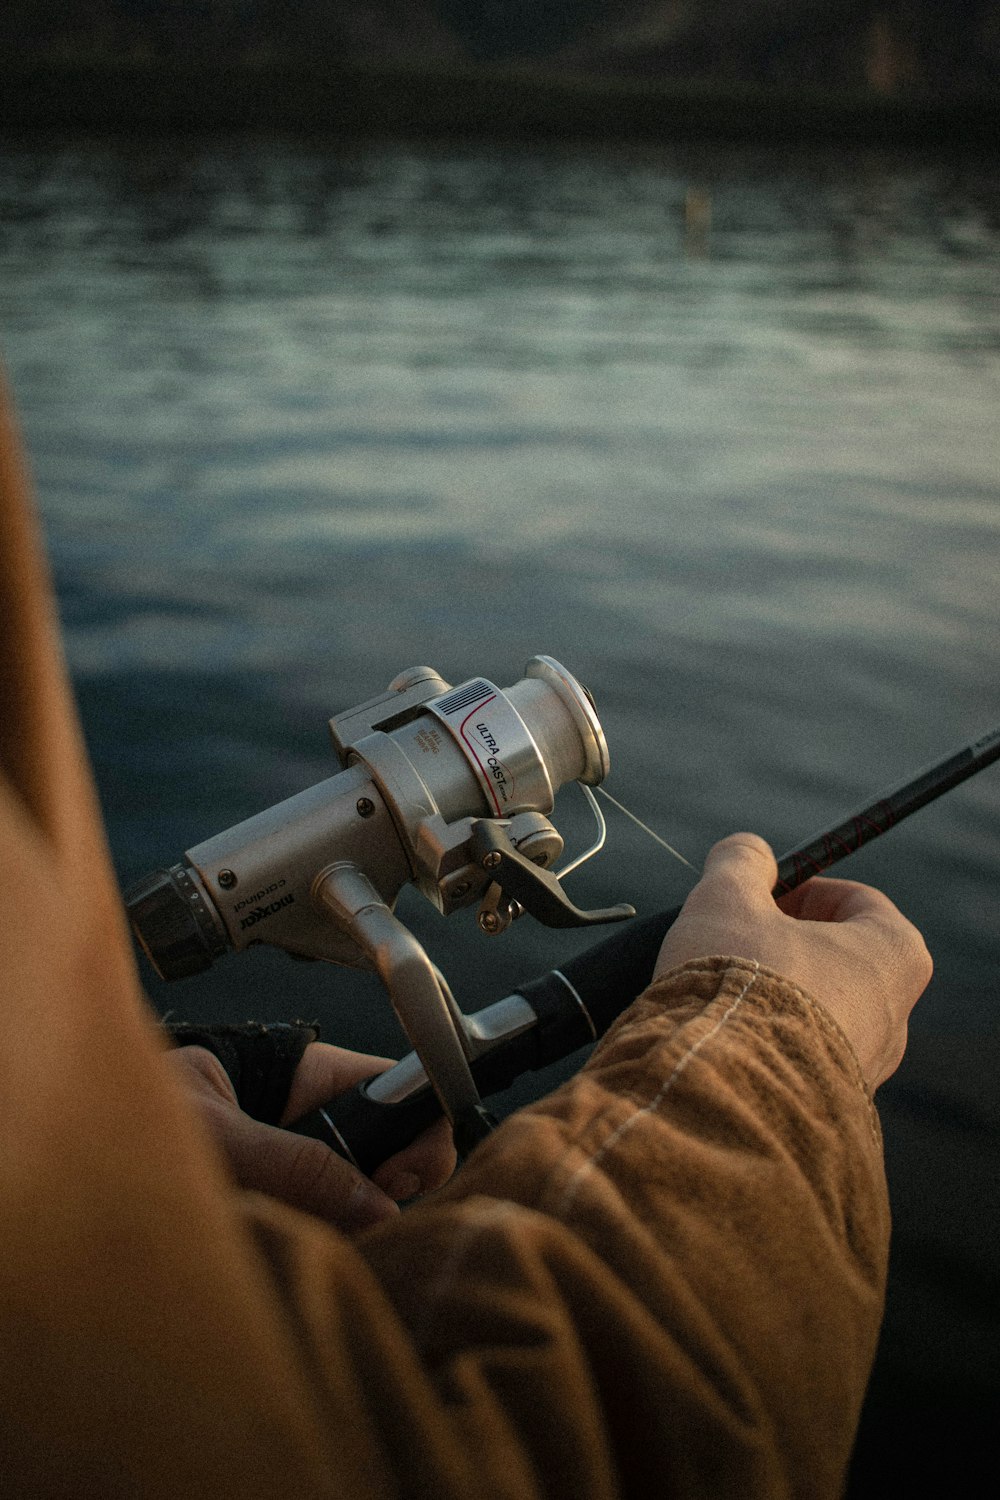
(640, 824)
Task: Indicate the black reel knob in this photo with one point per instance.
(171, 920)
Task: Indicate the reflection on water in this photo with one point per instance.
(719, 429)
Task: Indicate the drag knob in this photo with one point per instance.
(175, 927)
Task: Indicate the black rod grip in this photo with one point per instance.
(605, 978)
(365, 1131)
(609, 975)
(368, 1131)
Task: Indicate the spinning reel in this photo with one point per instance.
(447, 788)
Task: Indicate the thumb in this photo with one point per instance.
(740, 869)
(303, 1173)
(728, 905)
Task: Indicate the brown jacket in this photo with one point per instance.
(664, 1279)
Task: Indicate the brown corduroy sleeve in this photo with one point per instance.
(666, 1276)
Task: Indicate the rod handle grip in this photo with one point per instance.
(365, 1131)
(602, 982)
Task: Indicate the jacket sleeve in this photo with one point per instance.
(667, 1277)
(669, 1273)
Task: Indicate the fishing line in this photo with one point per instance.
(646, 829)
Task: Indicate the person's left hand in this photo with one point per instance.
(302, 1171)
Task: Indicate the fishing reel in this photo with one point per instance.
(447, 788)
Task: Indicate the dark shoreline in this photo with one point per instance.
(148, 97)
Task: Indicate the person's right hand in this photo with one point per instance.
(846, 944)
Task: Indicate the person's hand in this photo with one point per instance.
(846, 944)
(302, 1171)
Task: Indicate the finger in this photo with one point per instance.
(825, 900)
(728, 907)
(425, 1164)
(326, 1071)
(201, 1071)
(746, 852)
(304, 1173)
(740, 870)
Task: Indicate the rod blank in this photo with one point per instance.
(825, 849)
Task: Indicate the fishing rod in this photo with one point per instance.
(448, 788)
(569, 1008)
